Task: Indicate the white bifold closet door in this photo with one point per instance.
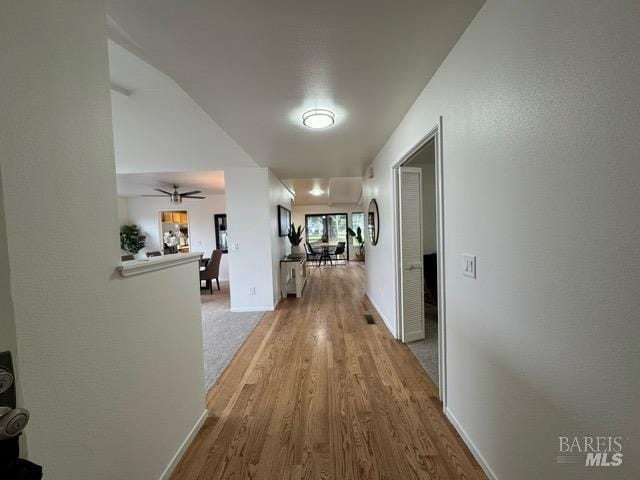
(411, 277)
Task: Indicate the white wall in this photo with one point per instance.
(298, 213)
(7, 321)
(8, 340)
(159, 126)
(252, 197)
(541, 175)
(123, 211)
(111, 368)
(145, 212)
(280, 246)
(247, 200)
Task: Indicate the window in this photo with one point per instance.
(326, 228)
(357, 220)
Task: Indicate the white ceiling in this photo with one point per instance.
(157, 127)
(255, 67)
(134, 184)
(327, 191)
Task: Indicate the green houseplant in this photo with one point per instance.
(131, 240)
(358, 236)
(295, 237)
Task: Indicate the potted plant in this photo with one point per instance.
(295, 237)
(131, 240)
(358, 236)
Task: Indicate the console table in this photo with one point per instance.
(293, 275)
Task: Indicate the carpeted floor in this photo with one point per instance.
(222, 331)
(426, 351)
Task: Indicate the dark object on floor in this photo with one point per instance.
(430, 263)
(20, 469)
(212, 270)
(153, 254)
(369, 318)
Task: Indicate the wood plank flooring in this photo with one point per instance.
(317, 393)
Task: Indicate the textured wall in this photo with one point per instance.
(539, 101)
(111, 368)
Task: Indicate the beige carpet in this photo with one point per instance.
(222, 331)
(426, 351)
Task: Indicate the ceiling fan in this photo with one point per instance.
(175, 196)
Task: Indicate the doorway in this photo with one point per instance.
(419, 255)
(174, 231)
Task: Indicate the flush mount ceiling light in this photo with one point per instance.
(316, 192)
(318, 118)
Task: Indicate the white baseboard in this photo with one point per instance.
(392, 328)
(183, 447)
(253, 309)
(474, 450)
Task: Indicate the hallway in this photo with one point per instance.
(316, 392)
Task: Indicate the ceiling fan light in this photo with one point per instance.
(318, 118)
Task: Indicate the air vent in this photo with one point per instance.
(369, 318)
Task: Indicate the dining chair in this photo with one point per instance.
(339, 251)
(212, 270)
(312, 255)
(154, 254)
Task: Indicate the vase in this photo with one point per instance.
(296, 250)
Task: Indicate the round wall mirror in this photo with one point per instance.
(373, 221)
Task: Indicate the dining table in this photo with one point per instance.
(325, 254)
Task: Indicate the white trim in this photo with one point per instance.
(183, 447)
(436, 134)
(130, 268)
(379, 312)
(252, 309)
(472, 447)
(442, 300)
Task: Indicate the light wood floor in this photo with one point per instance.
(317, 393)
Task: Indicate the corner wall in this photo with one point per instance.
(255, 249)
(541, 174)
(280, 246)
(111, 368)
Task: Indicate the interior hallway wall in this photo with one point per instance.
(280, 246)
(145, 212)
(541, 175)
(255, 249)
(123, 211)
(97, 352)
(8, 340)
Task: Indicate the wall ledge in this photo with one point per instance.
(138, 267)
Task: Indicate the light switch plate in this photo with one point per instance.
(469, 265)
